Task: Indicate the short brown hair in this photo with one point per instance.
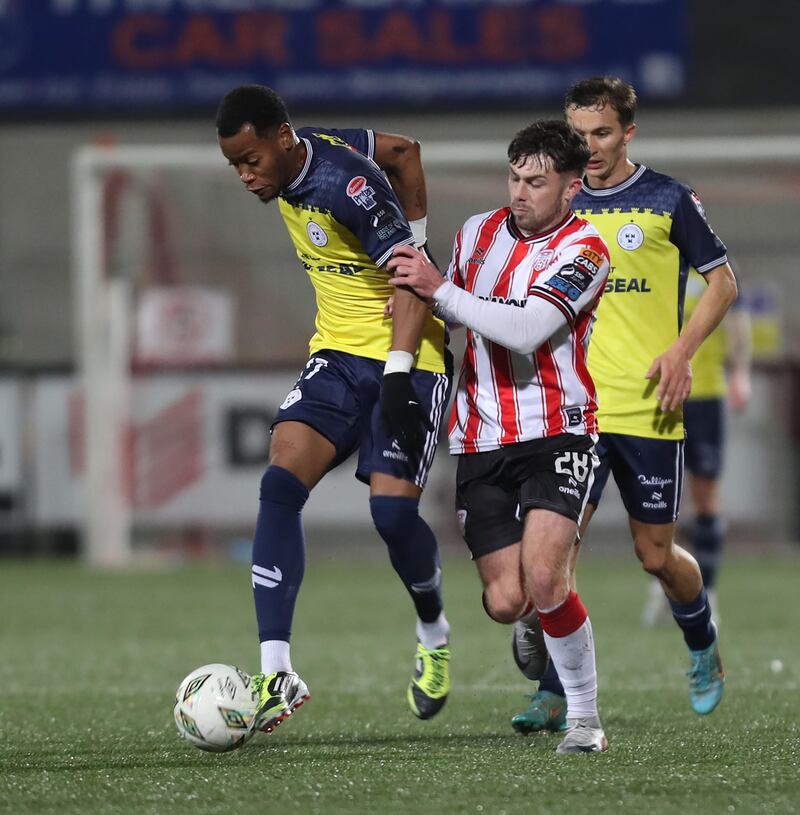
(604, 90)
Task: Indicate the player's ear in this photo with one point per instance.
(571, 190)
(286, 136)
(629, 133)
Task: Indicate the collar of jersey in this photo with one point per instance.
(304, 172)
(623, 185)
(518, 235)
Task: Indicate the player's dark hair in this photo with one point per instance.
(600, 91)
(257, 104)
(552, 139)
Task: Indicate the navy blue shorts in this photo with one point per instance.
(338, 394)
(648, 472)
(704, 420)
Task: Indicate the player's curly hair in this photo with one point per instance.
(600, 91)
(256, 104)
(553, 140)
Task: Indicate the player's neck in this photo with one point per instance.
(620, 173)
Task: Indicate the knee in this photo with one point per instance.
(279, 486)
(504, 602)
(546, 587)
(653, 555)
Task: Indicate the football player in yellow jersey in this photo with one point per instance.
(639, 358)
(713, 390)
(373, 383)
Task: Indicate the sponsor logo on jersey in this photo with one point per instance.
(569, 491)
(626, 284)
(509, 301)
(317, 234)
(589, 261)
(396, 453)
(361, 192)
(630, 237)
(697, 203)
(386, 224)
(574, 416)
(570, 280)
(654, 481)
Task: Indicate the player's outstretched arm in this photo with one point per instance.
(673, 367)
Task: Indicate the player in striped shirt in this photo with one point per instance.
(525, 281)
(656, 230)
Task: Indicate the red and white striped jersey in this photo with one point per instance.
(505, 397)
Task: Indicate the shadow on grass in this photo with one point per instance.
(162, 758)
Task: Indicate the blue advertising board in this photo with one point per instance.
(178, 55)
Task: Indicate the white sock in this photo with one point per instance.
(573, 657)
(435, 634)
(275, 657)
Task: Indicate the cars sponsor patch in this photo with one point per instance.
(360, 192)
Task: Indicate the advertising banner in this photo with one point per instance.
(180, 55)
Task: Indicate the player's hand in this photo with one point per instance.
(674, 375)
(412, 268)
(402, 413)
(388, 308)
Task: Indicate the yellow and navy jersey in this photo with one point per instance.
(345, 220)
(656, 231)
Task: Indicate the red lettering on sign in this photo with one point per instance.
(138, 41)
(562, 34)
(149, 41)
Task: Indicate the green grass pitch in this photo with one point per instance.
(89, 662)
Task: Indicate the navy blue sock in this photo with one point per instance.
(412, 550)
(550, 680)
(279, 557)
(694, 620)
(707, 538)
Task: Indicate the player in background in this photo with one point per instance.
(639, 359)
(720, 380)
(525, 281)
(372, 384)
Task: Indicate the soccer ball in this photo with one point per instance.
(214, 707)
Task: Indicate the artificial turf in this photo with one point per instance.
(89, 662)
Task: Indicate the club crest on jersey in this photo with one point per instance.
(630, 237)
(317, 234)
(542, 259)
(361, 192)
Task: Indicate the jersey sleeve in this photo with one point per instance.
(575, 277)
(368, 207)
(693, 236)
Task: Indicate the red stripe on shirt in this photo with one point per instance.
(551, 387)
(486, 234)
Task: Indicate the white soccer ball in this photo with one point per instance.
(214, 707)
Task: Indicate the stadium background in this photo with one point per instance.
(81, 72)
